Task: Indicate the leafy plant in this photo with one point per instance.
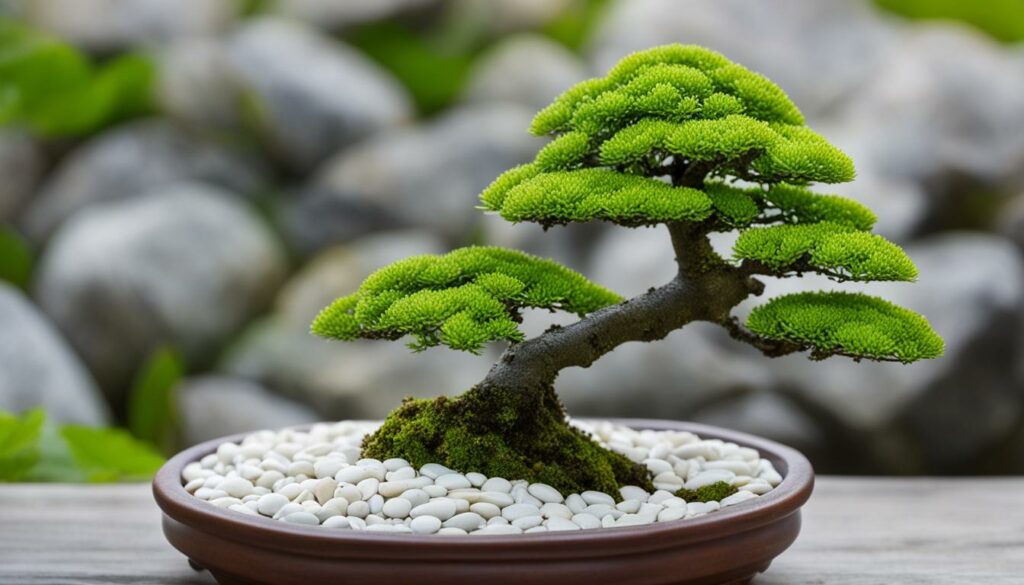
(15, 258)
(675, 135)
(433, 72)
(55, 91)
(33, 450)
(152, 410)
(1001, 19)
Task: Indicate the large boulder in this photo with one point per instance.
(21, 164)
(186, 264)
(527, 69)
(817, 51)
(424, 176)
(312, 95)
(37, 369)
(108, 25)
(128, 160)
(216, 406)
(360, 379)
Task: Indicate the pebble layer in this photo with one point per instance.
(319, 478)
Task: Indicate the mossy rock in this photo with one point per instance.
(513, 434)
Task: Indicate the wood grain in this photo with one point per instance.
(857, 531)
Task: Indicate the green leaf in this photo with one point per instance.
(433, 72)
(152, 408)
(19, 443)
(106, 455)
(53, 89)
(15, 258)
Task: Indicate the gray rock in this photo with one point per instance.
(946, 410)
(107, 25)
(128, 160)
(186, 264)
(312, 94)
(197, 85)
(944, 102)
(21, 164)
(37, 369)
(818, 52)
(1011, 221)
(334, 14)
(527, 69)
(215, 406)
(346, 380)
(425, 176)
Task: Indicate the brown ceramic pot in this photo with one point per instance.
(729, 546)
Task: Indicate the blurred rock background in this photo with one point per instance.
(284, 149)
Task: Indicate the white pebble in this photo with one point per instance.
(337, 522)
(519, 510)
(497, 484)
(739, 497)
(425, 525)
(271, 504)
(558, 524)
(452, 531)
(592, 497)
(359, 509)
(441, 509)
(586, 521)
(468, 521)
(551, 510)
(545, 493)
(632, 492)
(236, 486)
(476, 479)
(302, 518)
(527, 522)
(452, 481)
(434, 470)
(486, 510)
(397, 508)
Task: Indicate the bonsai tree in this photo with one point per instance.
(675, 135)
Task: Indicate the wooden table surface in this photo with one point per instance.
(857, 531)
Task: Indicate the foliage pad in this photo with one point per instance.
(462, 299)
(853, 324)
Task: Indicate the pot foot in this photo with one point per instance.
(196, 566)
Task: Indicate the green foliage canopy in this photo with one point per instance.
(677, 135)
(462, 299)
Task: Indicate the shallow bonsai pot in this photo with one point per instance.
(729, 546)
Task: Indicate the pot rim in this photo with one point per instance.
(316, 541)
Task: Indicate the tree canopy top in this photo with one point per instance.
(676, 135)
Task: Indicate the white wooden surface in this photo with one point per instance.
(857, 531)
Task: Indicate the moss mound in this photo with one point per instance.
(715, 492)
(514, 434)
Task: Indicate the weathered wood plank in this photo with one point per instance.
(857, 531)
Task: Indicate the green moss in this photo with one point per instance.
(715, 492)
(504, 433)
